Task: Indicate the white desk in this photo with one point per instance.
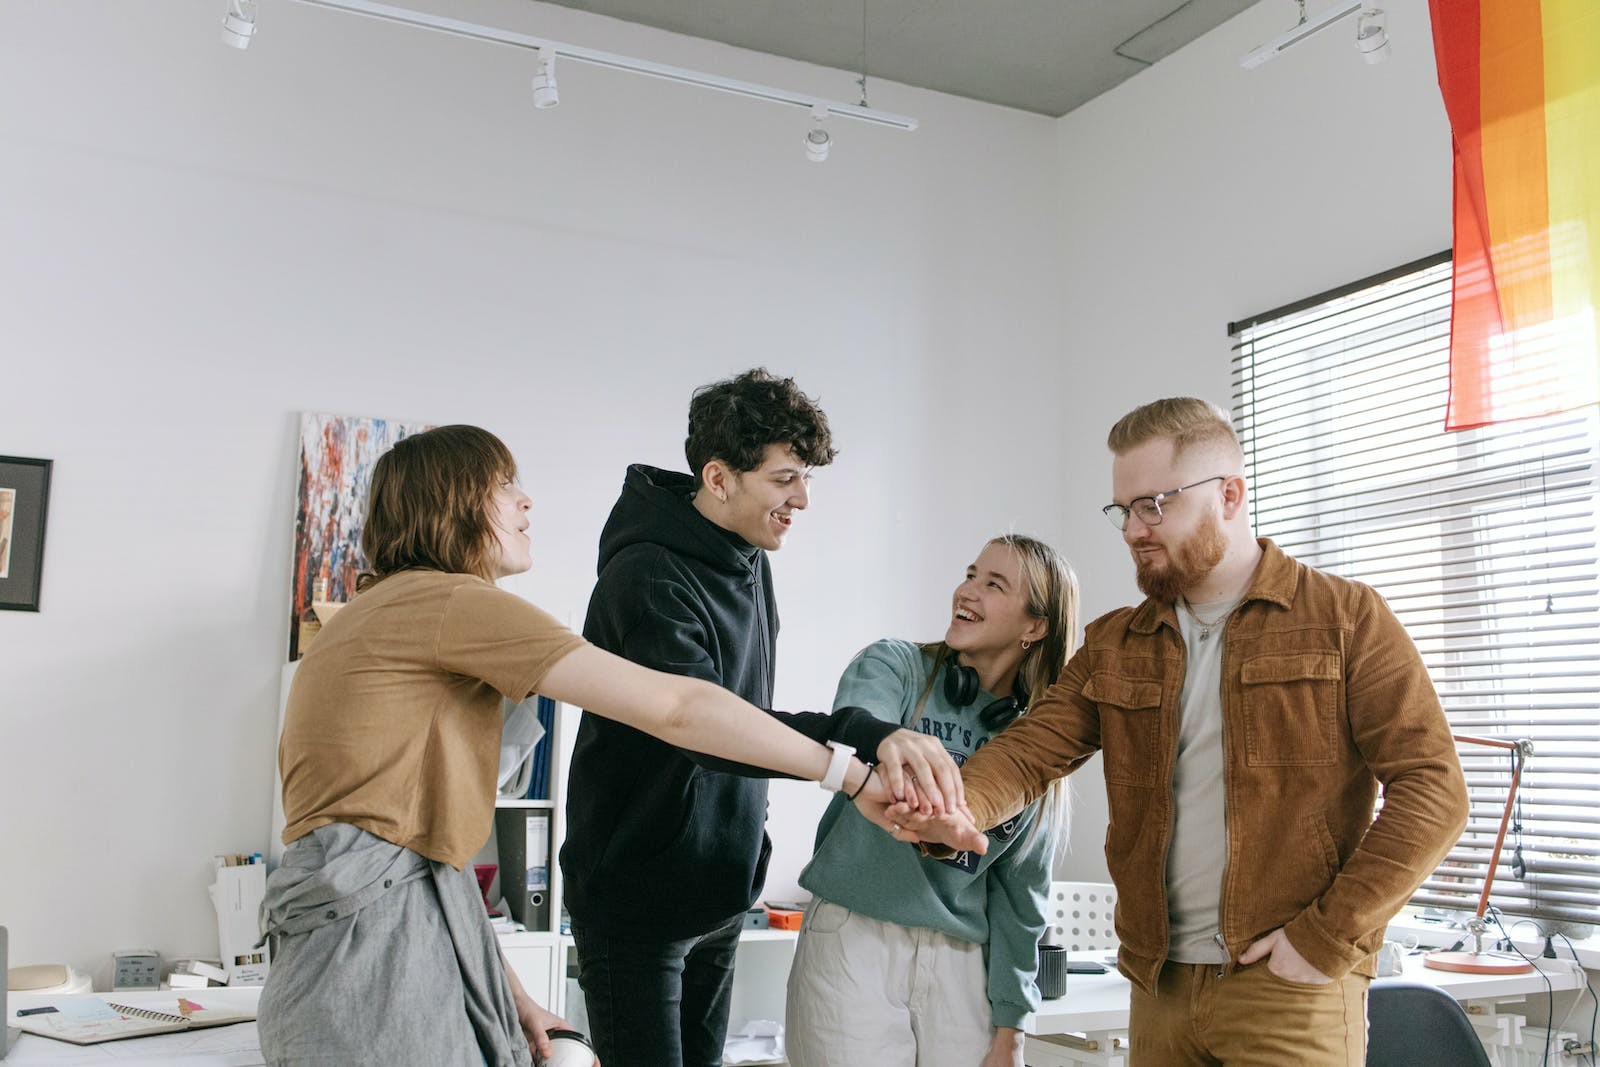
(1096, 1005)
(540, 960)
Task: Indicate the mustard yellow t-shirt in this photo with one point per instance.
(393, 722)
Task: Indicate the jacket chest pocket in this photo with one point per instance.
(1130, 727)
(1291, 702)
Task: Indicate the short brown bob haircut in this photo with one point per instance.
(428, 508)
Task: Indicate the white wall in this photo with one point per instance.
(1199, 193)
(196, 244)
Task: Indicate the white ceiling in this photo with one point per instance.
(1046, 56)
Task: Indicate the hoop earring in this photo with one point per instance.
(1026, 644)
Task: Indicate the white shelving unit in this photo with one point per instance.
(540, 956)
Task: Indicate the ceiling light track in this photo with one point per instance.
(547, 50)
(1372, 32)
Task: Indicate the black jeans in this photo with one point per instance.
(658, 1003)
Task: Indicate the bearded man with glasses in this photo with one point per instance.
(1247, 712)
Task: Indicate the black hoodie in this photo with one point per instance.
(662, 842)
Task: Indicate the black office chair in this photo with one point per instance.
(1414, 1025)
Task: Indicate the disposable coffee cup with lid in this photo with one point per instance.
(568, 1048)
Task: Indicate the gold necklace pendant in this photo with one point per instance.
(1206, 626)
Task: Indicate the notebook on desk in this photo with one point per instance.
(90, 1020)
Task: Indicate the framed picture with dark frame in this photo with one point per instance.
(24, 502)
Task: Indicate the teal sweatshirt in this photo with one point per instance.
(996, 900)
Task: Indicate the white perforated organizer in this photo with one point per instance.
(1081, 915)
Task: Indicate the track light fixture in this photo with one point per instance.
(239, 24)
(817, 140)
(1372, 35)
(1372, 32)
(545, 92)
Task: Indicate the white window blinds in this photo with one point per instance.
(1484, 542)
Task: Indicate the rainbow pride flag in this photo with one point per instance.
(1521, 85)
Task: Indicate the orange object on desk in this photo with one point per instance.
(783, 919)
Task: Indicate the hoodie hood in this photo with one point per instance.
(655, 508)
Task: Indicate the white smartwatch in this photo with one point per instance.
(838, 764)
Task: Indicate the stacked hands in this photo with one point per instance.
(915, 794)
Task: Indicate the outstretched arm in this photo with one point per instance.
(1053, 739)
(686, 712)
(492, 635)
(671, 635)
(1056, 736)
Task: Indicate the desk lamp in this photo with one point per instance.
(1478, 961)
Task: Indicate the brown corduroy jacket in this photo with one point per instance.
(1324, 699)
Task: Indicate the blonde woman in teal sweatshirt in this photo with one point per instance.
(908, 961)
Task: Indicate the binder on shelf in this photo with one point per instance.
(523, 835)
(539, 787)
(520, 734)
(525, 748)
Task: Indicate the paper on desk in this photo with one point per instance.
(87, 1010)
(223, 1046)
(758, 1041)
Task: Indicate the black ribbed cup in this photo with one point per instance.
(1052, 971)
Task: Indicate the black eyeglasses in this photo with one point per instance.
(1148, 508)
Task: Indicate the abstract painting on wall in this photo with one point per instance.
(336, 457)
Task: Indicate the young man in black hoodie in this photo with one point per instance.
(667, 849)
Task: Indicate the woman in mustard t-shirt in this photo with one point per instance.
(382, 953)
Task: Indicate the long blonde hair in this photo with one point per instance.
(1052, 595)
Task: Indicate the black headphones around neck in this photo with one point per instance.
(961, 688)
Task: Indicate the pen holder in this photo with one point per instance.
(1052, 971)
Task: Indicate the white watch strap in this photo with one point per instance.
(838, 764)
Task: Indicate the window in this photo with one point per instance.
(1484, 542)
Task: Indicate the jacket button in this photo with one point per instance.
(387, 882)
(332, 914)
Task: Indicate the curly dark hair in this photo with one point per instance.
(736, 419)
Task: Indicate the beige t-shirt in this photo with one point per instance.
(393, 722)
(1199, 849)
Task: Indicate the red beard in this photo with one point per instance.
(1187, 563)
